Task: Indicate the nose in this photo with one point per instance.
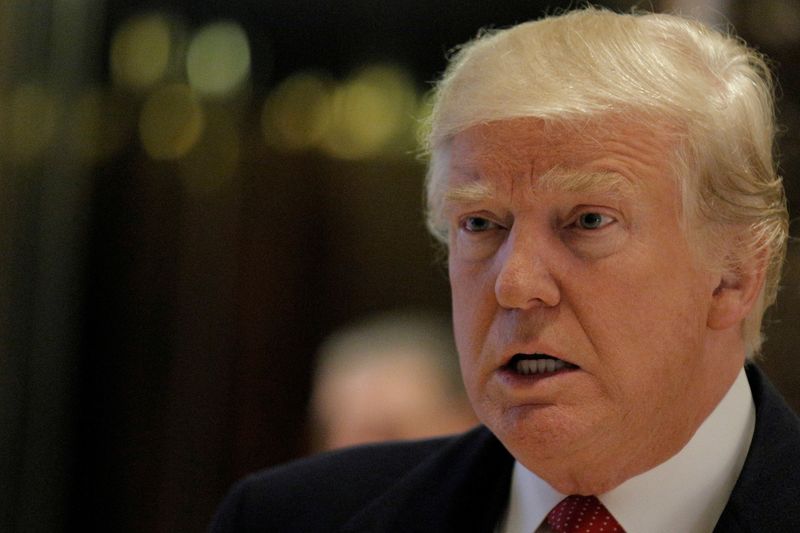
(525, 277)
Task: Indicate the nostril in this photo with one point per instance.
(524, 286)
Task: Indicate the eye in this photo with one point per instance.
(477, 224)
(592, 220)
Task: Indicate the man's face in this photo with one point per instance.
(394, 394)
(567, 255)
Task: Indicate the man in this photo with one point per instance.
(615, 229)
(389, 376)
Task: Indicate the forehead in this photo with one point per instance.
(609, 156)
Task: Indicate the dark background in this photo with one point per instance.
(156, 343)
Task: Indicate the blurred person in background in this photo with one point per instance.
(391, 376)
(615, 226)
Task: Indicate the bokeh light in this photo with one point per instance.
(370, 113)
(140, 51)
(171, 122)
(218, 59)
(297, 114)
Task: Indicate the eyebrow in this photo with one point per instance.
(555, 180)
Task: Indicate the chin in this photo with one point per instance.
(560, 453)
(548, 430)
(566, 472)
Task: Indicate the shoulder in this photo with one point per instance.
(766, 493)
(777, 433)
(323, 492)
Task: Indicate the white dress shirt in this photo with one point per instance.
(686, 493)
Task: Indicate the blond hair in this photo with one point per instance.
(646, 68)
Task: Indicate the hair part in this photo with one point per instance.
(591, 64)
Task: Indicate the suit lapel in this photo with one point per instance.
(463, 487)
(766, 494)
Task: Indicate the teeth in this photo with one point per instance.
(539, 366)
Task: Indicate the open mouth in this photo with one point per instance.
(537, 363)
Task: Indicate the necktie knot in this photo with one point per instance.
(582, 514)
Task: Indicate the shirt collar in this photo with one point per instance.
(691, 488)
(530, 500)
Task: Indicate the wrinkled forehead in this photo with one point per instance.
(567, 141)
(596, 156)
(464, 188)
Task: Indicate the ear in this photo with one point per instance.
(736, 293)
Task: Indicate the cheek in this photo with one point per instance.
(465, 325)
(647, 330)
(474, 304)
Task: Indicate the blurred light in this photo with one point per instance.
(218, 59)
(297, 112)
(214, 160)
(140, 51)
(102, 124)
(371, 111)
(32, 119)
(171, 122)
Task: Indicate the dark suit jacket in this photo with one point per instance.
(461, 484)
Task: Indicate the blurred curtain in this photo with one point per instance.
(42, 222)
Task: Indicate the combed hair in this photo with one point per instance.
(659, 69)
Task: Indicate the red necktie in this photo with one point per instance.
(582, 514)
